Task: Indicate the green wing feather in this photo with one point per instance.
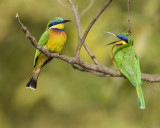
(42, 41)
(128, 63)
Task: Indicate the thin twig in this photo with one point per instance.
(90, 26)
(86, 9)
(129, 31)
(64, 5)
(91, 54)
(77, 18)
(27, 33)
(92, 68)
(90, 71)
(129, 22)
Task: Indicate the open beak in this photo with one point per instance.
(111, 33)
(112, 43)
(64, 21)
(120, 42)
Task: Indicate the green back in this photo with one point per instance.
(42, 41)
(128, 63)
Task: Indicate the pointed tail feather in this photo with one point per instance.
(33, 80)
(140, 96)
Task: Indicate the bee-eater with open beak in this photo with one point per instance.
(54, 39)
(126, 60)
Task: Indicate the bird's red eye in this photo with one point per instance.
(55, 23)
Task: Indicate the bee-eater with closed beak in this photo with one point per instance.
(126, 60)
(54, 39)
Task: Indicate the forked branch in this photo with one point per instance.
(90, 26)
(95, 69)
(77, 18)
(86, 9)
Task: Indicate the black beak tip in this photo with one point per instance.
(65, 21)
(111, 43)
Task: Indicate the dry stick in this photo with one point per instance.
(86, 9)
(129, 23)
(77, 18)
(90, 26)
(91, 71)
(64, 5)
(99, 69)
(129, 31)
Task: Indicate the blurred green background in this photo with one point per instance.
(67, 98)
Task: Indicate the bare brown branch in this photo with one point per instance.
(65, 6)
(90, 26)
(129, 21)
(27, 33)
(91, 71)
(77, 18)
(86, 9)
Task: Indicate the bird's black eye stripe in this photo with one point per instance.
(125, 39)
(50, 25)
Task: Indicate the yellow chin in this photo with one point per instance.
(121, 42)
(59, 26)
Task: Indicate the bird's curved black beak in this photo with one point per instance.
(111, 43)
(113, 35)
(65, 21)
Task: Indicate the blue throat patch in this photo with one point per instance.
(58, 29)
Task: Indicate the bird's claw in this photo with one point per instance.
(70, 60)
(58, 54)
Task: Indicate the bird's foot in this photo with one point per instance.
(57, 53)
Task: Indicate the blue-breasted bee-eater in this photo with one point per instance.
(126, 60)
(54, 39)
